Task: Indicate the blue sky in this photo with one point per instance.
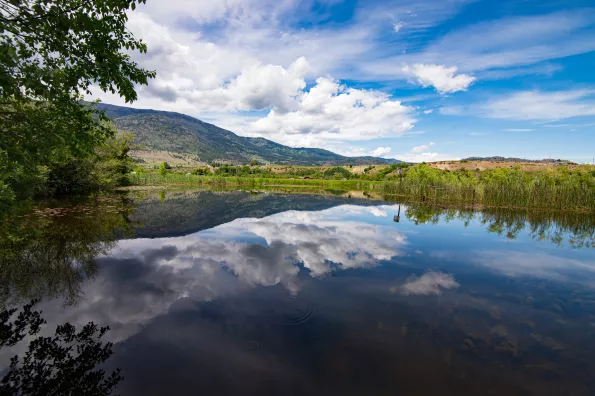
(414, 80)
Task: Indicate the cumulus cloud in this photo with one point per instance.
(443, 79)
(429, 283)
(257, 88)
(228, 82)
(333, 111)
(219, 79)
(430, 111)
(380, 151)
(423, 147)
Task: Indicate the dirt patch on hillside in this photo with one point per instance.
(152, 157)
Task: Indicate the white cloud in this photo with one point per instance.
(397, 26)
(537, 265)
(256, 88)
(536, 105)
(331, 111)
(498, 45)
(518, 129)
(350, 152)
(443, 79)
(423, 147)
(429, 283)
(427, 156)
(380, 151)
(430, 111)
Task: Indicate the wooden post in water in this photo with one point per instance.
(397, 218)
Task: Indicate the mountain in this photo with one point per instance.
(179, 133)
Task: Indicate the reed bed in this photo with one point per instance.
(560, 189)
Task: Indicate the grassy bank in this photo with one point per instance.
(561, 188)
(221, 181)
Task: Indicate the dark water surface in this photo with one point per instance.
(276, 294)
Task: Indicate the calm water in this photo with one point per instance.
(276, 294)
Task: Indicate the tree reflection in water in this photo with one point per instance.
(574, 228)
(64, 364)
(47, 253)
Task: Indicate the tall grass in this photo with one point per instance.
(503, 187)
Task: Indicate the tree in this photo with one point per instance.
(56, 49)
(51, 52)
(163, 167)
(60, 365)
(113, 162)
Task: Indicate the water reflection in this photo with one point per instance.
(239, 293)
(186, 212)
(49, 252)
(574, 228)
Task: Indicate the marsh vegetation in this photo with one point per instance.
(560, 188)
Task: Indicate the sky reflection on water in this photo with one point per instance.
(341, 299)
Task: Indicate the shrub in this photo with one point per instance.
(163, 167)
(337, 171)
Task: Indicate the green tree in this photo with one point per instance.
(113, 164)
(163, 167)
(109, 166)
(51, 52)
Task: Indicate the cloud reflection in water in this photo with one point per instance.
(140, 279)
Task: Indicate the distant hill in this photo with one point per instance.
(179, 133)
(513, 159)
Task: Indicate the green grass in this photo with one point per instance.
(561, 188)
(220, 181)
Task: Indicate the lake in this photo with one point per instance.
(258, 293)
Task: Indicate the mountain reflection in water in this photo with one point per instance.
(239, 293)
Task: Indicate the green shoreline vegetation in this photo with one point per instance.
(560, 188)
(51, 53)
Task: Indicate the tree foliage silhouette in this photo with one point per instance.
(63, 364)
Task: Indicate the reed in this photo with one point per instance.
(553, 189)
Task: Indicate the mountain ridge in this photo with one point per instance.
(181, 133)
